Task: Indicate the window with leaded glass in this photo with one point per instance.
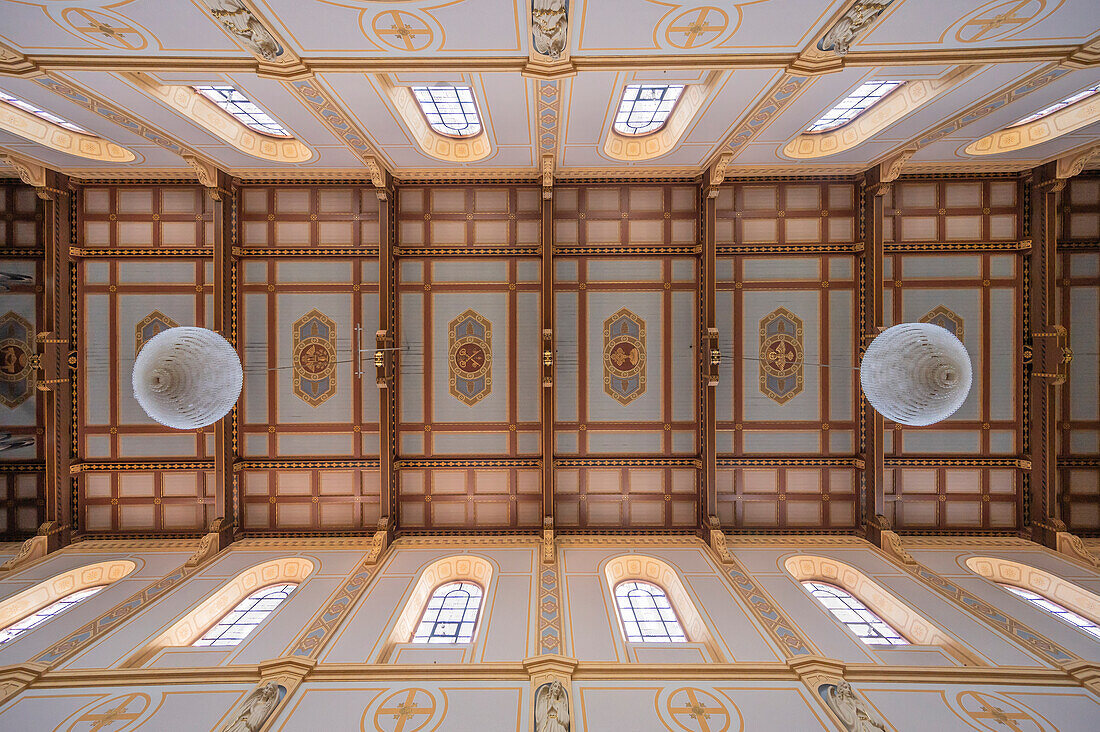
(1055, 609)
(646, 614)
(451, 614)
(1072, 99)
(235, 625)
(39, 112)
(870, 628)
(450, 110)
(231, 100)
(853, 105)
(644, 108)
(34, 619)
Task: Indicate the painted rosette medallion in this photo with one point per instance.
(624, 356)
(470, 357)
(17, 360)
(781, 355)
(314, 357)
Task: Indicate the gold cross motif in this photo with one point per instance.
(101, 26)
(987, 25)
(695, 28)
(404, 711)
(1000, 716)
(110, 716)
(403, 33)
(698, 711)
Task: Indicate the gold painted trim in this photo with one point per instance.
(1063, 592)
(34, 128)
(1044, 129)
(45, 593)
(197, 108)
(897, 104)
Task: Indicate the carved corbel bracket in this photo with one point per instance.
(891, 544)
(547, 167)
(717, 173)
(207, 175)
(1072, 546)
(548, 553)
(32, 549)
(1072, 165)
(717, 541)
(30, 172)
(890, 169)
(218, 537)
(380, 542)
(379, 177)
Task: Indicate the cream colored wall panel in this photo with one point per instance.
(590, 624)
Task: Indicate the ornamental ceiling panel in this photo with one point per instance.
(787, 316)
(119, 300)
(953, 498)
(302, 319)
(21, 411)
(161, 501)
(622, 495)
(310, 499)
(469, 357)
(22, 501)
(640, 312)
(481, 497)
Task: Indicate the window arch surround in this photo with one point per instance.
(1024, 134)
(653, 571)
(911, 625)
(432, 143)
(45, 593)
(664, 140)
(1059, 591)
(448, 570)
(451, 615)
(205, 615)
(47, 133)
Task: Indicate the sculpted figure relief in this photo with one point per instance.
(841, 35)
(548, 25)
(551, 708)
(240, 21)
(255, 709)
(852, 710)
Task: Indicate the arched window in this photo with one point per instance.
(39, 112)
(235, 625)
(646, 614)
(230, 99)
(1072, 99)
(41, 616)
(450, 110)
(853, 105)
(451, 614)
(1054, 609)
(644, 108)
(870, 628)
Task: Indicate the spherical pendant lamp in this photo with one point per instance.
(916, 374)
(186, 378)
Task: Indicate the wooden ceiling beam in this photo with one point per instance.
(709, 354)
(548, 354)
(386, 357)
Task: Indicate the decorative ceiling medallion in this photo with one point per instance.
(149, 326)
(470, 357)
(694, 710)
(402, 30)
(781, 356)
(997, 20)
(118, 713)
(997, 712)
(698, 27)
(624, 356)
(17, 360)
(407, 710)
(109, 30)
(946, 319)
(314, 357)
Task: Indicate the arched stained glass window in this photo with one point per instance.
(56, 608)
(853, 105)
(1055, 609)
(645, 108)
(1073, 99)
(870, 628)
(243, 619)
(646, 614)
(242, 108)
(39, 112)
(450, 110)
(451, 614)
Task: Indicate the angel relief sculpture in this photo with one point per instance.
(255, 709)
(549, 20)
(551, 708)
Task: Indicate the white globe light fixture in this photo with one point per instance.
(186, 378)
(916, 374)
